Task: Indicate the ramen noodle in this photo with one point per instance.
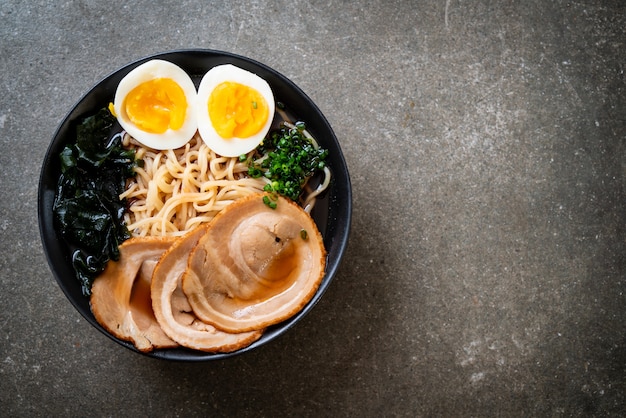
(176, 190)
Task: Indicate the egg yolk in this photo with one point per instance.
(156, 105)
(237, 110)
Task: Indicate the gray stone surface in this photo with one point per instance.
(485, 273)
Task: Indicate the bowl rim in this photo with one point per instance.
(338, 217)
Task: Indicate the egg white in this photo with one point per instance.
(231, 147)
(170, 139)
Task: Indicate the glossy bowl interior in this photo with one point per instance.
(332, 213)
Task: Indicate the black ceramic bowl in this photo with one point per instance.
(332, 213)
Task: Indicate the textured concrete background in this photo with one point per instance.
(485, 274)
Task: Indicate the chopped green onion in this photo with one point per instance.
(304, 234)
(290, 160)
(268, 202)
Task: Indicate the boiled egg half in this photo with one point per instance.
(235, 110)
(155, 103)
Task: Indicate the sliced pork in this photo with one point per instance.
(120, 296)
(255, 265)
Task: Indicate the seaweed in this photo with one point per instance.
(87, 209)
